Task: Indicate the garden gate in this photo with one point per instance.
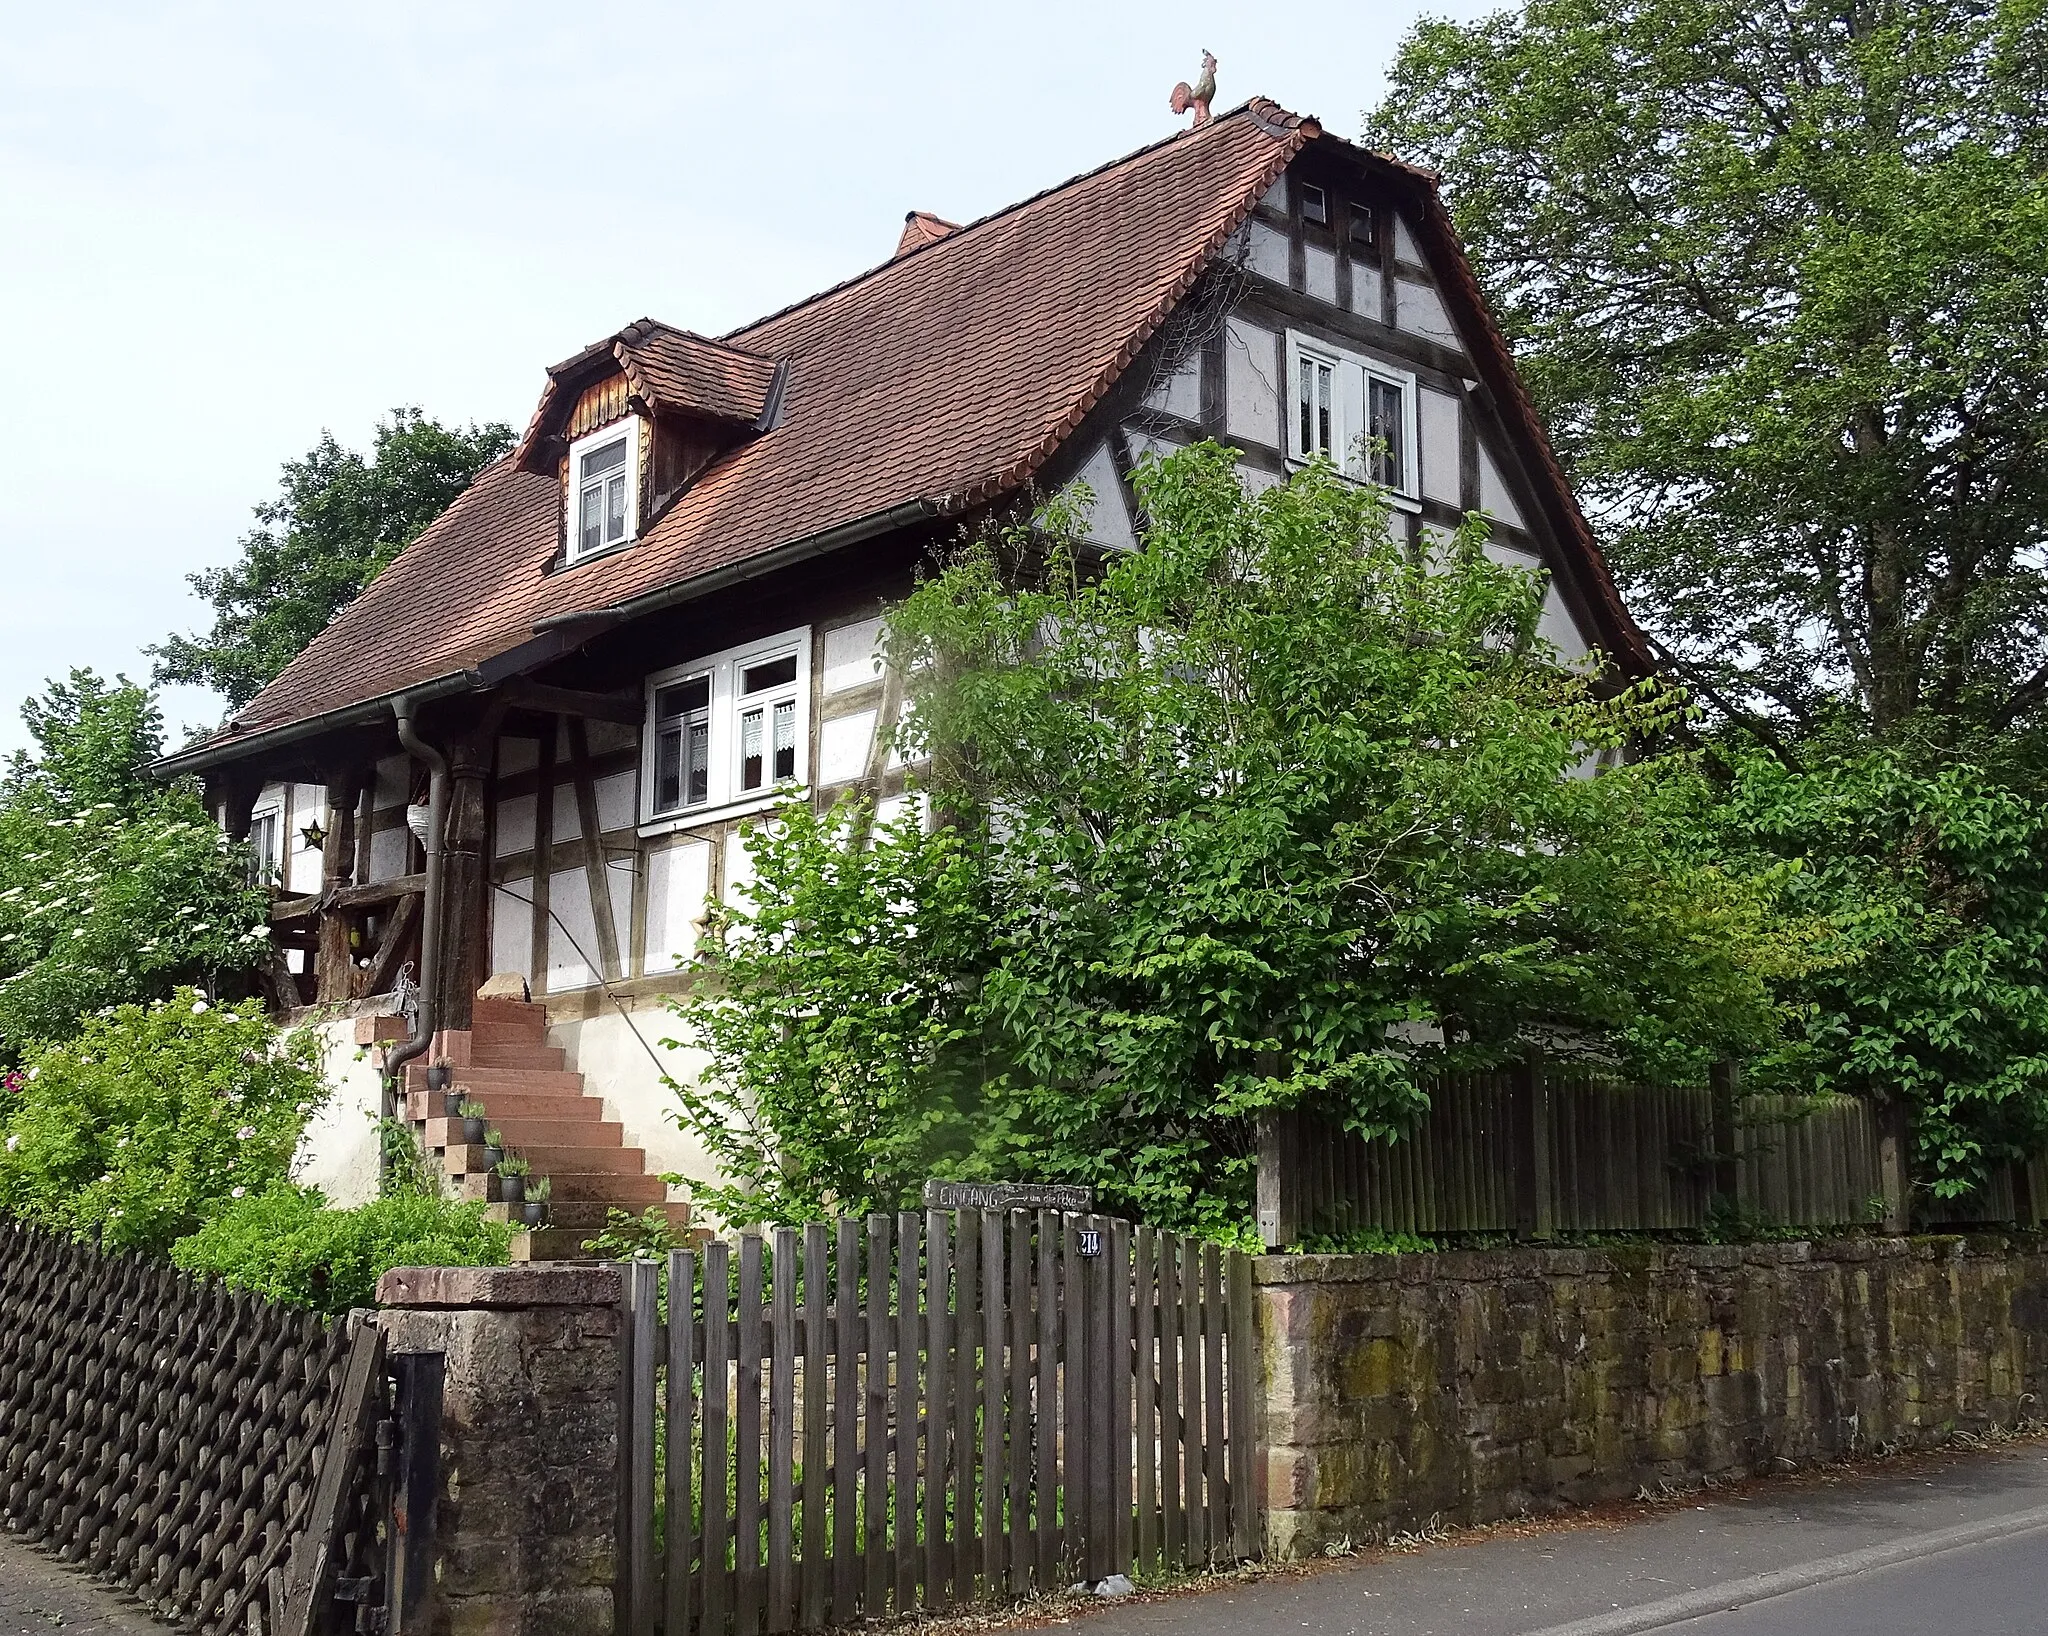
(959, 1404)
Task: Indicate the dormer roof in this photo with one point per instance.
(667, 371)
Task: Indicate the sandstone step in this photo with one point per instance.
(628, 1192)
(527, 1134)
(481, 1082)
(554, 1159)
(421, 1106)
(507, 1014)
(521, 1055)
(559, 1242)
(588, 1215)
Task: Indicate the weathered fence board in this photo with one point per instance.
(959, 1405)
(1548, 1149)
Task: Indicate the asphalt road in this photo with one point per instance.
(1999, 1588)
(1681, 1567)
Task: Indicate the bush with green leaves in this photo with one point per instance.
(114, 888)
(286, 1244)
(152, 1119)
(1931, 871)
(1270, 814)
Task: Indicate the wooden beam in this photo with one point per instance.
(335, 967)
(628, 709)
(399, 933)
(594, 871)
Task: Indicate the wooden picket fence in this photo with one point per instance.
(860, 1418)
(1535, 1150)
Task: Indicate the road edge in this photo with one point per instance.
(1735, 1593)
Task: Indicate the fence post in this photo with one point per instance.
(1724, 1081)
(1537, 1207)
(1279, 1177)
(1891, 1166)
(527, 1510)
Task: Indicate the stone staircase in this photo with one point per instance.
(545, 1116)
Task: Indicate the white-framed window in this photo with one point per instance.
(729, 731)
(604, 489)
(1357, 410)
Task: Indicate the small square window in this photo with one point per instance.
(1361, 227)
(263, 869)
(603, 472)
(1315, 205)
(769, 673)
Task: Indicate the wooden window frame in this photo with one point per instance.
(572, 498)
(724, 797)
(1352, 371)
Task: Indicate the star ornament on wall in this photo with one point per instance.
(314, 836)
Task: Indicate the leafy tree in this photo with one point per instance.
(1267, 815)
(1933, 874)
(337, 520)
(114, 887)
(1779, 278)
(153, 1118)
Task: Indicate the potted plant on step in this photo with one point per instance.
(534, 1210)
(494, 1148)
(440, 1074)
(512, 1174)
(472, 1116)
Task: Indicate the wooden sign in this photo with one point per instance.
(1006, 1196)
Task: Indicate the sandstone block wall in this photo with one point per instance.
(527, 1518)
(1477, 1385)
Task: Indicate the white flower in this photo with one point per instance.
(35, 1070)
(109, 1176)
(259, 931)
(245, 1133)
(113, 1215)
(78, 931)
(13, 1142)
(199, 1008)
(236, 1192)
(305, 1107)
(122, 1143)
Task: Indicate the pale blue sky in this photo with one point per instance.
(227, 226)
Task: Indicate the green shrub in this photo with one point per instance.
(151, 1119)
(287, 1245)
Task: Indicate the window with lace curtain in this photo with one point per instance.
(727, 730)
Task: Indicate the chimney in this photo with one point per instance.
(921, 227)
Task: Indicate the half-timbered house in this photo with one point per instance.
(658, 617)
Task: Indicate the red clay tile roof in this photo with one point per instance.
(946, 377)
(920, 228)
(672, 369)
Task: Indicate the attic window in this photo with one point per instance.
(604, 471)
(1315, 205)
(1361, 226)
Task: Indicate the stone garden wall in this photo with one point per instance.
(1472, 1386)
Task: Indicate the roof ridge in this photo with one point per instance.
(1249, 109)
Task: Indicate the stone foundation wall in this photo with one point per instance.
(1472, 1386)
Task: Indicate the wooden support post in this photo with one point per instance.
(1279, 1178)
(1724, 1082)
(462, 881)
(1893, 1176)
(334, 964)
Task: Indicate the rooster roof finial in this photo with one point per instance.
(1199, 95)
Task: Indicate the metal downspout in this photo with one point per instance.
(425, 1019)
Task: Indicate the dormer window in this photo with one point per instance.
(604, 471)
(1315, 205)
